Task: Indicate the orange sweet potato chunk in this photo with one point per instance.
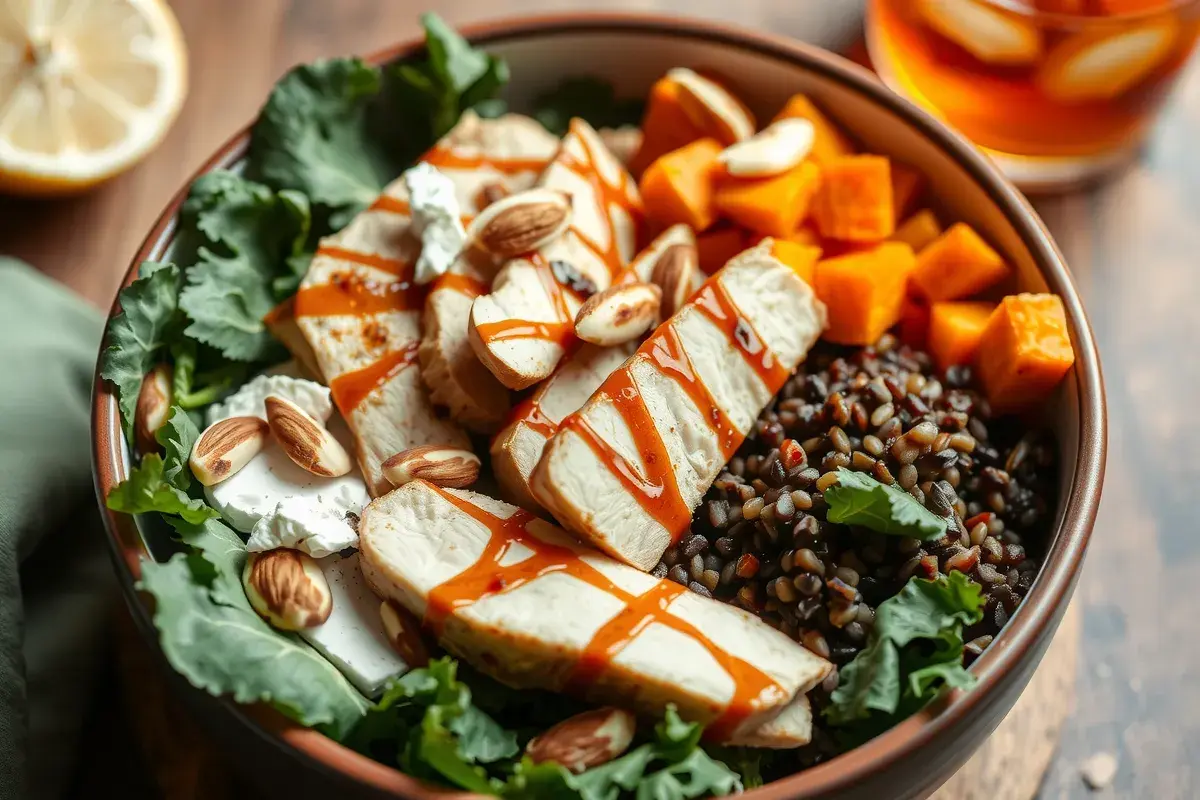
(955, 328)
(919, 231)
(855, 200)
(665, 126)
(801, 258)
(914, 323)
(829, 142)
(1024, 351)
(678, 186)
(805, 234)
(957, 264)
(864, 292)
(717, 246)
(907, 187)
(772, 206)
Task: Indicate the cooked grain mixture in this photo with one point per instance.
(761, 540)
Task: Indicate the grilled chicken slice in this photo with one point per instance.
(497, 157)
(625, 473)
(518, 447)
(360, 311)
(522, 329)
(281, 322)
(521, 601)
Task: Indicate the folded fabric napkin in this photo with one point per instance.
(56, 580)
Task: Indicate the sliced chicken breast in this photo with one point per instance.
(522, 329)
(360, 311)
(625, 473)
(485, 159)
(518, 447)
(521, 601)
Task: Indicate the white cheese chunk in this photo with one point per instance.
(256, 489)
(250, 400)
(436, 219)
(308, 524)
(352, 638)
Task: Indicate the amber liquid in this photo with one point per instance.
(1053, 86)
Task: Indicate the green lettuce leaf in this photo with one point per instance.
(149, 489)
(250, 254)
(215, 640)
(915, 650)
(859, 499)
(591, 98)
(217, 555)
(672, 767)
(149, 318)
(177, 436)
(339, 130)
(426, 722)
(453, 78)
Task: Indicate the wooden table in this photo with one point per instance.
(1133, 244)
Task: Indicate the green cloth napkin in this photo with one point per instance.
(56, 579)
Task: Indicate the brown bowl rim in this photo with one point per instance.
(1033, 622)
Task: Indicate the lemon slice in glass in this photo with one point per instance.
(87, 88)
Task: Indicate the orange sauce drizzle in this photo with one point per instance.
(714, 301)
(559, 331)
(666, 351)
(352, 388)
(393, 205)
(394, 266)
(351, 293)
(463, 284)
(444, 158)
(529, 412)
(487, 577)
(654, 487)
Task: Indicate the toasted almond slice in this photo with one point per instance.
(585, 740)
(711, 108)
(521, 223)
(1087, 67)
(618, 314)
(307, 443)
(153, 405)
(441, 465)
(772, 151)
(403, 631)
(992, 36)
(675, 274)
(225, 447)
(287, 588)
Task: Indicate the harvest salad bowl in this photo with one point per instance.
(709, 422)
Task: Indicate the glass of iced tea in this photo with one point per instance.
(1057, 91)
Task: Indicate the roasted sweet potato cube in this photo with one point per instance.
(830, 142)
(957, 264)
(1024, 351)
(855, 202)
(919, 230)
(678, 186)
(864, 292)
(772, 206)
(955, 328)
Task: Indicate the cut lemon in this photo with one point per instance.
(87, 88)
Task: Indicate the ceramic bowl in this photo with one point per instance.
(912, 759)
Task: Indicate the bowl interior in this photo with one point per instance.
(632, 53)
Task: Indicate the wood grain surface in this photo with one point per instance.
(1133, 244)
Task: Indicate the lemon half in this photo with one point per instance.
(87, 88)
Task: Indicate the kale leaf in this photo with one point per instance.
(591, 98)
(915, 650)
(148, 488)
(859, 499)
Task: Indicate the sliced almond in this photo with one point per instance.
(674, 274)
(449, 467)
(521, 223)
(403, 631)
(991, 35)
(619, 314)
(287, 589)
(711, 108)
(775, 149)
(153, 406)
(306, 441)
(225, 447)
(585, 740)
(490, 193)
